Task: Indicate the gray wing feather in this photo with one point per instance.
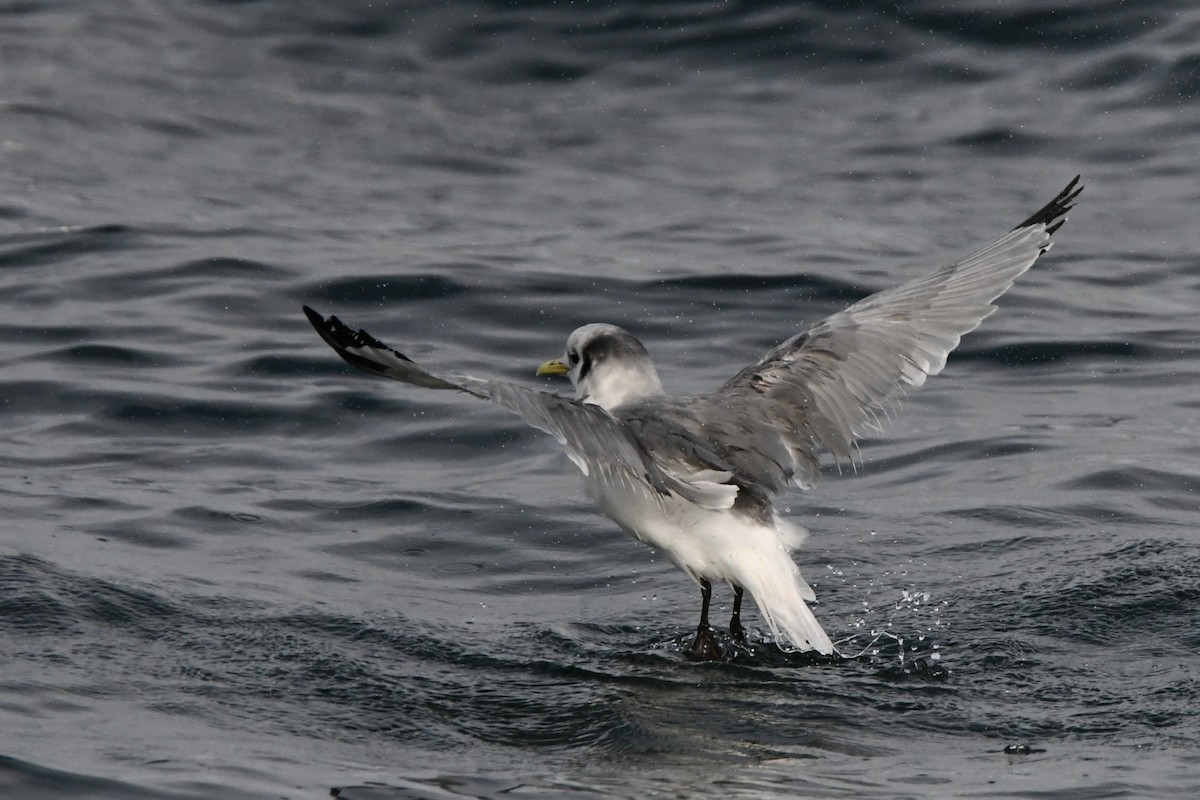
(826, 386)
(598, 443)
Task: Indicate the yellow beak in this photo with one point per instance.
(553, 367)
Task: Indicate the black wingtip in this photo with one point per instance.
(1052, 215)
(344, 340)
(335, 334)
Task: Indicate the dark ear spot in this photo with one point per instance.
(597, 350)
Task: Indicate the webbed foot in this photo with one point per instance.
(737, 632)
(705, 646)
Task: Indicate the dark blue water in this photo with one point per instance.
(231, 567)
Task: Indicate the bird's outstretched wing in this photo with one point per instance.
(826, 386)
(599, 444)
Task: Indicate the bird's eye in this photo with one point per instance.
(573, 358)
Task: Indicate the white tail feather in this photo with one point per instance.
(775, 583)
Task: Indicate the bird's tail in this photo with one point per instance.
(780, 593)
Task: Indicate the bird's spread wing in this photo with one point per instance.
(825, 387)
(599, 444)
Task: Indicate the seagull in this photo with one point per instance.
(694, 476)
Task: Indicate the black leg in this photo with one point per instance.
(704, 646)
(735, 622)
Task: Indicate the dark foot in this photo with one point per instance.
(735, 622)
(705, 646)
(737, 631)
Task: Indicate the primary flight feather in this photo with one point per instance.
(695, 476)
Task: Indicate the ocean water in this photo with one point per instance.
(233, 567)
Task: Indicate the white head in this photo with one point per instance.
(607, 366)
